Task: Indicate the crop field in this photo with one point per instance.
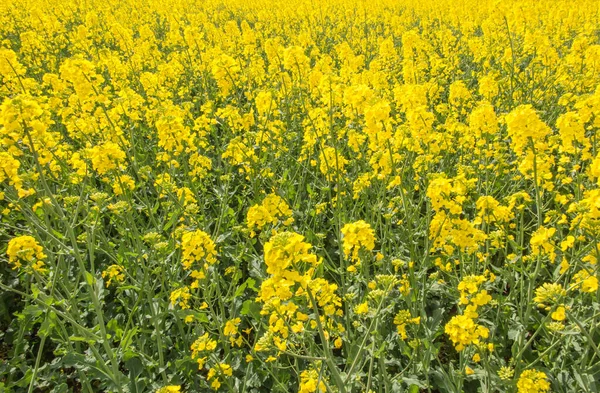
(339, 196)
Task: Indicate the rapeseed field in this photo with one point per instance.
(299, 196)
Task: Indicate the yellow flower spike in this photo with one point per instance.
(25, 249)
(533, 381)
(170, 389)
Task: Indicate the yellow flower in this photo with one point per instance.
(188, 319)
(231, 327)
(106, 157)
(338, 342)
(332, 163)
(170, 389)
(362, 308)
(25, 249)
(357, 235)
(9, 170)
(559, 314)
(540, 241)
(505, 373)
(217, 371)
(402, 319)
(464, 331)
(549, 293)
(272, 210)
(197, 246)
(181, 296)
(585, 281)
(202, 345)
(532, 381)
(311, 381)
(113, 272)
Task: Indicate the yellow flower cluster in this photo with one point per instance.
(357, 236)
(181, 296)
(198, 251)
(402, 319)
(231, 330)
(25, 249)
(202, 346)
(311, 382)
(272, 210)
(113, 272)
(462, 329)
(220, 370)
(533, 381)
(291, 294)
(169, 389)
(448, 230)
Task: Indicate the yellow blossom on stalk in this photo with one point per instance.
(505, 373)
(290, 292)
(585, 281)
(181, 296)
(225, 69)
(220, 370)
(488, 87)
(489, 210)
(201, 166)
(170, 389)
(559, 314)
(548, 294)
(470, 284)
(287, 250)
(533, 381)
(122, 183)
(271, 210)
(463, 331)
(567, 243)
(106, 157)
(332, 163)
(197, 246)
(540, 242)
(113, 272)
(264, 102)
(311, 381)
(202, 346)
(362, 308)
(402, 319)
(231, 330)
(525, 128)
(9, 170)
(173, 134)
(25, 249)
(356, 236)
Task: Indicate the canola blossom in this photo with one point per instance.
(304, 196)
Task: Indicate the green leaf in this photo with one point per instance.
(249, 283)
(250, 307)
(48, 325)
